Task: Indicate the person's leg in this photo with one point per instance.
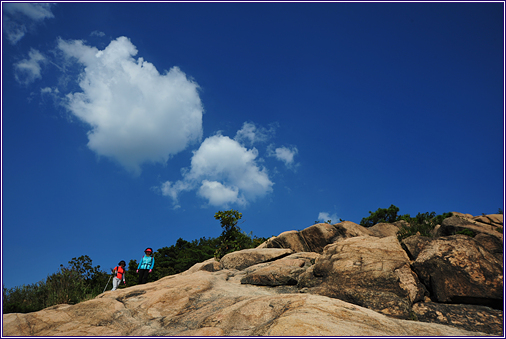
(115, 283)
(145, 276)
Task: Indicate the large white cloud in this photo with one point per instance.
(224, 172)
(18, 17)
(136, 114)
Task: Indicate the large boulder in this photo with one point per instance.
(368, 271)
(316, 237)
(210, 265)
(415, 244)
(241, 259)
(214, 304)
(456, 269)
(311, 239)
(348, 229)
(458, 223)
(288, 239)
(285, 271)
(383, 230)
(491, 243)
(494, 220)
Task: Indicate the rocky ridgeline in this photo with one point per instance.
(326, 280)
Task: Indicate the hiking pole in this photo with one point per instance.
(107, 283)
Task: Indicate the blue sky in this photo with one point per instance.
(128, 125)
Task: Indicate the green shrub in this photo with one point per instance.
(69, 285)
(387, 215)
(423, 223)
(233, 238)
(467, 232)
(183, 255)
(24, 299)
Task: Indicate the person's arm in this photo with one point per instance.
(152, 263)
(139, 266)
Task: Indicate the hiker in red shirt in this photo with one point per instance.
(119, 274)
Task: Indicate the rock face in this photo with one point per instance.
(470, 317)
(326, 280)
(490, 224)
(245, 258)
(457, 270)
(368, 271)
(214, 304)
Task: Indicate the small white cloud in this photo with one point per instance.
(172, 190)
(19, 17)
(250, 133)
(97, 33)
(136, 114)
(284, 154)
(28, 70)
(324, 216)
(225, 172)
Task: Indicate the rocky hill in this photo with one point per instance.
(326, 280)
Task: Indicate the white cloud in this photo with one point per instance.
(324, 216)
(28, 70)
(284, 154)
(17, 15)
(224, 172)
(97, 33)
(136, 114)
(219, 194)
(49, 90)
(35, 11)
(221, 158)
(250, 133)
(172, 190)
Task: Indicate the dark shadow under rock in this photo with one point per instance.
(468, 317)
(384, 302)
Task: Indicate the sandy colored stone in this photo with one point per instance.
(210, 265)
(383, 230)
(368, 271)
(212, 304)
(350, 284)
(458, 270)
(316, 237)
(495, 220)
(241, 259)
(482, 224)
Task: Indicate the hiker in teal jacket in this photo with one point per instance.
(145, 266)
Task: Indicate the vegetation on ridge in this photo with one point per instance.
(422, 223)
